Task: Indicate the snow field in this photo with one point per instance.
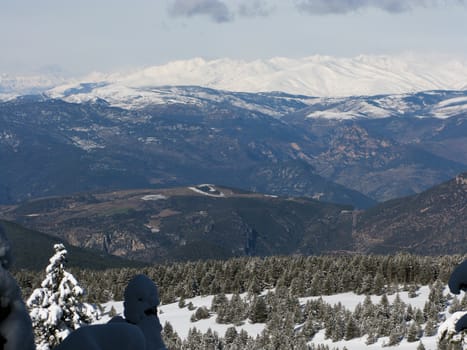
(179, 318)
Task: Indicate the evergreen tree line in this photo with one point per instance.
(303, 276)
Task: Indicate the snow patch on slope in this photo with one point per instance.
(437, 104)
(207, 190)
(179, 318)
(153, 197)
(86, 145)
(451, 107)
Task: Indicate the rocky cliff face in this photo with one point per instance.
(385, 158)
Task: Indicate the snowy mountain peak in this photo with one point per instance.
(28, 84)
(313, 76)
(320, 76)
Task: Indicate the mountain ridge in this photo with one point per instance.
(32, 250)
(81, 147)
(426, 223)
(312, 76)
(263, 142)
(202, 221)
(208, 221)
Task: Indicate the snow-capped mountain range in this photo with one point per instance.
(435, 104)
(428, 104)
(321, 76)
(11, 86)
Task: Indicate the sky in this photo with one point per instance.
(73, 38)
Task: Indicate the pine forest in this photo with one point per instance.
(267, 290)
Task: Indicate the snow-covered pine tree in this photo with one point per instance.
(258, 312)
(171, 338)
(230, 335)
(413, 332)
(56, 308)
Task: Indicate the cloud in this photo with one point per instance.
(255, 8)
(219, 10)
(216, 9)
(319, 7)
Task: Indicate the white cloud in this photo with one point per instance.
(255, 8)
(217, 10)
(322, 7)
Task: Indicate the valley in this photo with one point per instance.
(268, 142)
(226, 175)
(300, 175)
(215, 222)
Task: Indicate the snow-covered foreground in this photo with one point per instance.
(179, 318)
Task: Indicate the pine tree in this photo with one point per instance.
(351, 329)
(181, 303)
(56, 309)
(394, 337)
(412, 291)
(242, 338)
(237, 309)
(413, 333)
(211, 341)
(299, 343)
(254, 286)
(171, 338)
(230, 335)
(201, 313)
(409, 313)
(219, 301)
(194, 340)
(418, 316)
(372, 337)
(366, 285)
(430, 328)
(258, 312)
(382, 315)
(112, 312)
(378, 284)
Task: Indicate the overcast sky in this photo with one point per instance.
(77, 37)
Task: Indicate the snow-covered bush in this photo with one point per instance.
(56, 308)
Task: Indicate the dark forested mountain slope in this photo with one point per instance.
(208, 221)
(432, 222)
(385, 158)
(32, 250)
(189, 223)
(353, 150)
(52, 147)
